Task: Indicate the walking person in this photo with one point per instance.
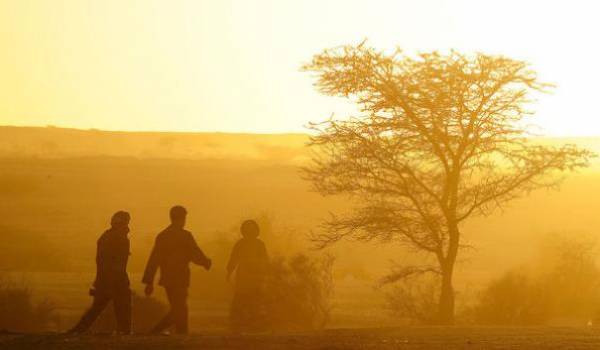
(112, 281)
(173, 250)
(250, 262)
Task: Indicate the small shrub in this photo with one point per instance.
(514, 299)
(298, 293)
(18, 313)
(564, 286)
(414, 299)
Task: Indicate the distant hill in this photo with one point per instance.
(52, 142)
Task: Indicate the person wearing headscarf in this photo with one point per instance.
(249, 260)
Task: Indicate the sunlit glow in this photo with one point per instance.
(233, 65)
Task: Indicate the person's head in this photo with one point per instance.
(120, 220)
(178, 215)
(249, 229)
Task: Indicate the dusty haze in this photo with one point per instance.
(60, 186)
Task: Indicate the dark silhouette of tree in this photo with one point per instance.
(440, 138)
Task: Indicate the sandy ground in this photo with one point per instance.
(392, 338)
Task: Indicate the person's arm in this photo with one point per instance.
(127, 251)
(123, 256)
(151, 267)
(197, 256)
(99, 261)
(264, 258)
(233, 260)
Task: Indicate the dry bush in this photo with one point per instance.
(513, 299)
(564, 285)
(299, 291)
(18, 312)
(414, 299)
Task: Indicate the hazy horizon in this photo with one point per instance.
(282, 133)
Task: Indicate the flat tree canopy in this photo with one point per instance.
(440, 138)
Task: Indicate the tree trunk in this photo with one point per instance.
(446, 303)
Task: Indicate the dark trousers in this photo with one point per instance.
(121, 304)
(247, 309)
(178, 312)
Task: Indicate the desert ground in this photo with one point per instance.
(421, 338)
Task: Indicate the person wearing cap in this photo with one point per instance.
(174, 249)
(250, 262)
(112, 281)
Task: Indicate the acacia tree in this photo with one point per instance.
(440, 138)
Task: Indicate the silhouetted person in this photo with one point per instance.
(112, 282)
(250, 261)
(173, 251)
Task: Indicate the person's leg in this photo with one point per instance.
(179, 308)
(88, 318)
(261, 310)
(253, 311)
(243, 311)
(163, 324)
(122, 306)
(167, 320)
(236, 312)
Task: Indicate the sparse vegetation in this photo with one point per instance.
(514, 299)
(298, 292)
(563, 285)
(20, 313)
(414, 299)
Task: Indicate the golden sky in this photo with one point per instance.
(199, 65)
